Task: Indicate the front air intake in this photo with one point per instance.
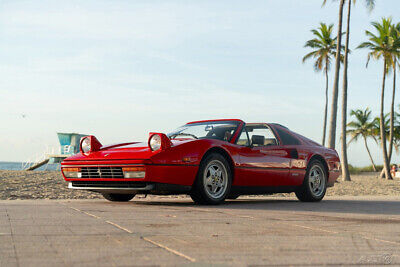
(102, 172)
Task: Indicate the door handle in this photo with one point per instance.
(293, 153)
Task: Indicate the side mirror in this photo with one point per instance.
(209, 128)
(257, 140)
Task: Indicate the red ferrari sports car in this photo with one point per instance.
(210, 160)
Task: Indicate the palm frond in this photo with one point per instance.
(370, 4)
(309, 55)
(323, 47)
(362, 125)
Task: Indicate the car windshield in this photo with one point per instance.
(206, 130)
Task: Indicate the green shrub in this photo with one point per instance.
(356, 170)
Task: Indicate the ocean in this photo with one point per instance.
(17, 166)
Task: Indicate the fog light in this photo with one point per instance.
(72, 172)
(134, 172)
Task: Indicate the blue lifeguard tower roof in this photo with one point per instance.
(69, 142)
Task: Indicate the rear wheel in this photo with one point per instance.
(118, 197)
(314, 185)
(213, 181)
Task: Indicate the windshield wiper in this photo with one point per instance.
(183, 134)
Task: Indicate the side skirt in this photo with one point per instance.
(170, 189)
(255, 190)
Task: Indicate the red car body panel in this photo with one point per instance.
(267, 166)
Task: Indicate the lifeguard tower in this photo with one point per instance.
(69, 145)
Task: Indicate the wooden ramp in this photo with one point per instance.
(37, 165)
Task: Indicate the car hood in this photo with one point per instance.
(135, 150)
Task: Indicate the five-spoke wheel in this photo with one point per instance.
(213, 180)
(314, 185)
(316, 180)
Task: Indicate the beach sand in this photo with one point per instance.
(38, 185)
(51, 185)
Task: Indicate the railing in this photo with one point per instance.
(38, 158)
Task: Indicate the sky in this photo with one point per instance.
(121, 69)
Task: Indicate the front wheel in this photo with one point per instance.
(118, 197)
(213, 182)
(314, 185)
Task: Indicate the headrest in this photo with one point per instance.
(257, 140)
(270, 142)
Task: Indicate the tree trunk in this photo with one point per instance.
(326, 103)
(332, 122)
(382, 127)
(345, 164)
(391, 135)
(369, 153)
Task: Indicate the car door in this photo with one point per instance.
(263, 161)
(297, 153)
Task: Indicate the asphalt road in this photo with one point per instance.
(161, 231)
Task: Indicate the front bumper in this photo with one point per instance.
(333, 176)
(178, 174)
(112, 187)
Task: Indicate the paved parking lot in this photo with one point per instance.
(162, 231)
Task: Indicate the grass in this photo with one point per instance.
(357, 170)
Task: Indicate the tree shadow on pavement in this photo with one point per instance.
(385, 207)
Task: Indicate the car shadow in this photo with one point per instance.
(384, 207)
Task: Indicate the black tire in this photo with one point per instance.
(118, 197)
(313, 191)
(206, 182)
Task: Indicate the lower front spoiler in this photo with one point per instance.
(130, 187)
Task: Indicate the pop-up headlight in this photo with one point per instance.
(155, 142)
(89, 144)
(159, 141)
(86, 145)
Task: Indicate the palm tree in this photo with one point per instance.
(396, 38)
(376, 129)
(345, 166)
(382, 46)
(395, 133)
(395, 35)
(335, 90)
(324, 48)
(363, 127)
(344, 161)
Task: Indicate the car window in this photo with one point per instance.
(286, 138)
(243, 140)
(206, 130)
(261, 136)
